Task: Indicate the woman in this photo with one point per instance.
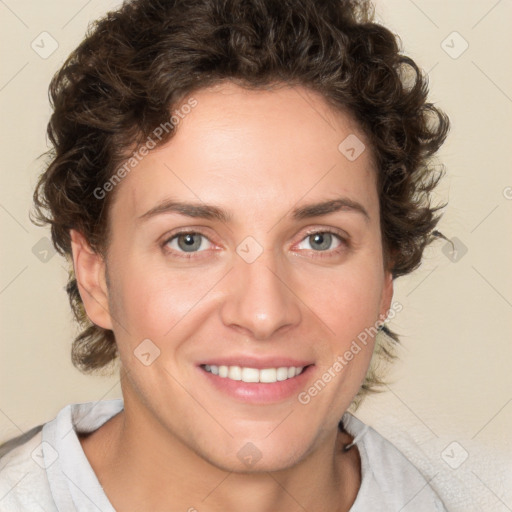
(237, 185)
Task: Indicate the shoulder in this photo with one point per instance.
(389, 481)
(23, 481)
(36, 468)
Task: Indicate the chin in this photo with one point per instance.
(254, 462)
(246, 456)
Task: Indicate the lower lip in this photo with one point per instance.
(259, 392)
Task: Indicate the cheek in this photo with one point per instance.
(347, 300)
(150, 300)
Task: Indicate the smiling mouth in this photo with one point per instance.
(253, 375)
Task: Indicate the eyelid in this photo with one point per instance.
(343, 235)
(186, 230)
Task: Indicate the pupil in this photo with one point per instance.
(188, 243)
(323, 240)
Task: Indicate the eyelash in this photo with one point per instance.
(344, 243)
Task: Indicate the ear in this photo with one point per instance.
(387, 295)
(90, 276)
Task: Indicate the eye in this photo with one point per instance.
(188, 242)
(322, 241)
(185, 244)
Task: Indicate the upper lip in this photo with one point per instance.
(256, 362)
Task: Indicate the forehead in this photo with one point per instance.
(255, 149)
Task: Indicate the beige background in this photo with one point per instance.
(453, 382)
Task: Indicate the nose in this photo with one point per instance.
(259, 300)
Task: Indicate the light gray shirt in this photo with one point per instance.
(49, 472)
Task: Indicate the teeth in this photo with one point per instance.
(266, 375)
(235, 373)
(250, 375)
(282, 373)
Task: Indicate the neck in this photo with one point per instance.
(141, 465)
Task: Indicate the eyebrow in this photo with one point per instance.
(211, 212)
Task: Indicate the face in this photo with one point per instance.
(247, 247)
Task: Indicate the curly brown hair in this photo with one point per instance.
(138, 63)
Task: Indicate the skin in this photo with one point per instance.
(257, 155)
